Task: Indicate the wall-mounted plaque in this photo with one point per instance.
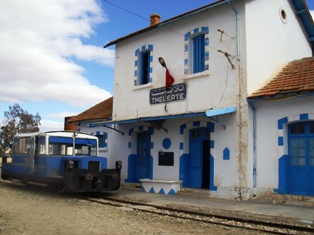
(174, 93)
(165, 159)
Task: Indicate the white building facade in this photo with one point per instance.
(206, 134)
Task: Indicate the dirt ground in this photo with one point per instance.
(41, 210)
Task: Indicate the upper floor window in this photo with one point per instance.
(196, 55)
(143, 69)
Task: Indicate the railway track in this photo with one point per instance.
(205, 216)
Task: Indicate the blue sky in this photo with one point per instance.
(52, 59)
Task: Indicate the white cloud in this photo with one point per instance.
(38, 43)
(312, 13)
(62, 114)
(50, 126)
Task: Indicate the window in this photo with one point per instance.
(196, 47)
(199, 53)
(301, 144)
(24, 145)
(60, 145)
(143, 69)
(42, 145)
(102, 139)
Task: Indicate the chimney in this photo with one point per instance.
(154, 19)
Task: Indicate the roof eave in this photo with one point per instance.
(283, 95)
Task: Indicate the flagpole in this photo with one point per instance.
(169, 79)
(166, 100)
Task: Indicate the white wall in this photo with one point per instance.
(216, 88)
(268, 152)
(271, 42)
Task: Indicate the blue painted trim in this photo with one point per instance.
(137, 52)
(205, 29)
(212, 144)
(226, 154)
(131, 168)
(129, 144)
(172, 192)
(280, 141)
(303, 14)
(187, 36)
(162, 191)
(216, 112)
(181, 146)
(283, 165)
(281, 122)
(304, 116)
(196, 123)
(166, 143)
(183, 169)
(182, 128)
(152, 190)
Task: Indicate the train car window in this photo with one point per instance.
(60, 145)
(84, 146)
(26, 146)
(15, 145)
(42, 145)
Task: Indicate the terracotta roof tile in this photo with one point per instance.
(103, 110)
(296, 77)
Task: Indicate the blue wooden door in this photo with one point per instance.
(195, 164)
(199, 158)
(143, 155)
(301, 155)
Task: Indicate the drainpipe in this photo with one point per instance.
(237, 28)
(254, 141)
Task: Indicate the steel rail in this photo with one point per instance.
(199, 216)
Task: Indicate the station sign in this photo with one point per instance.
(174, 93)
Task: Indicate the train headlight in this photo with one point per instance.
(71, 163)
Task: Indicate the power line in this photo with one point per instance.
(131, 12)
(124, 9)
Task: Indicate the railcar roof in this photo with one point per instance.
(58, 133)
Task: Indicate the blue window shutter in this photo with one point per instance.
(199, 53)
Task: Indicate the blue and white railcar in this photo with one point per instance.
(61, 157)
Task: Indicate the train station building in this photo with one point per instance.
(219, 98)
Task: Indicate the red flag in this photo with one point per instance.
(169, 79)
